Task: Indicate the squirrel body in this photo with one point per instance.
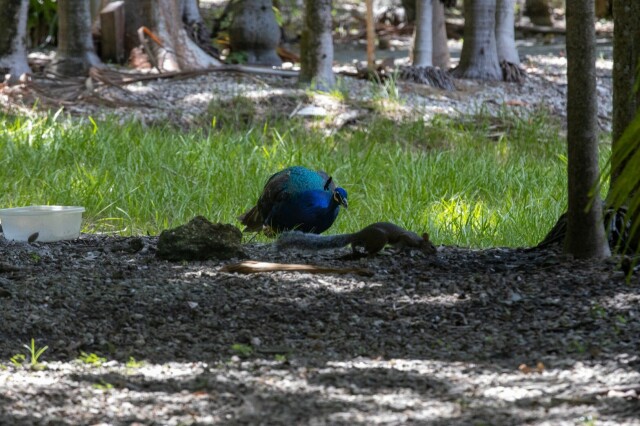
(372, 238)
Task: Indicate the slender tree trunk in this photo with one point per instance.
(626, 58)
(316, 45)
(371, 37)
(423, 34)
(13, 39)
(585, 231)
(441, 56)
(505, 37)
(75, 54)
(479, 58)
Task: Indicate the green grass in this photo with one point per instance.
(476, 182)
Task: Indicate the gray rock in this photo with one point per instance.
(200, 240)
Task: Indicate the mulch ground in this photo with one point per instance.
(499, 336)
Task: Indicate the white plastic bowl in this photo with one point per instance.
(52, 223)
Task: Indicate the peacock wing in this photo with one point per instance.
(274, 192)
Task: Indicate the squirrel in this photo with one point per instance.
(372, 238)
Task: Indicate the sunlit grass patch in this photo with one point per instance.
(478, 181)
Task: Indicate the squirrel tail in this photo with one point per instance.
(301, 240)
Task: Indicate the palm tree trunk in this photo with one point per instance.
(75, 54)
(585, 229)
(316, 45)
(505, 38)
(479, 58)
(423, 34)
(13, 39)
(626, 57)
(441, 56)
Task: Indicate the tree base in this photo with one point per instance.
(512, 73)
(617, 227)
(477, 73)
(69, 66)
(430, 76)
(200, 35)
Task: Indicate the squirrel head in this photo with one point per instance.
(426, 245)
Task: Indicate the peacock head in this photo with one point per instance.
(340, 197)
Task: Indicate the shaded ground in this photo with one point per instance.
(464, 337)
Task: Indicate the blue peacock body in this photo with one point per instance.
(296, 198)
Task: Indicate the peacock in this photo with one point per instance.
(296, 198)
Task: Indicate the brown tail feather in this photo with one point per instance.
(252, 219)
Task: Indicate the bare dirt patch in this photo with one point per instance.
(499, 336)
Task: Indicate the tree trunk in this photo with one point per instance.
(316, 45)
(255, 33)
(585, 231)
(505, 36)
(441, 56)
(75, 54)
(371, 37)
(13, 39)
(479, 58)
(539, 12)
(626, 57)
(190, 12)
(194, 21)
(423, 34)
(177, 52)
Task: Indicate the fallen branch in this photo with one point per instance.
(67, 90)
(252, 267)
(130, 78)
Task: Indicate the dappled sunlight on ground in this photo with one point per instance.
(187, 101)
(499, 336)
(357, 391)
